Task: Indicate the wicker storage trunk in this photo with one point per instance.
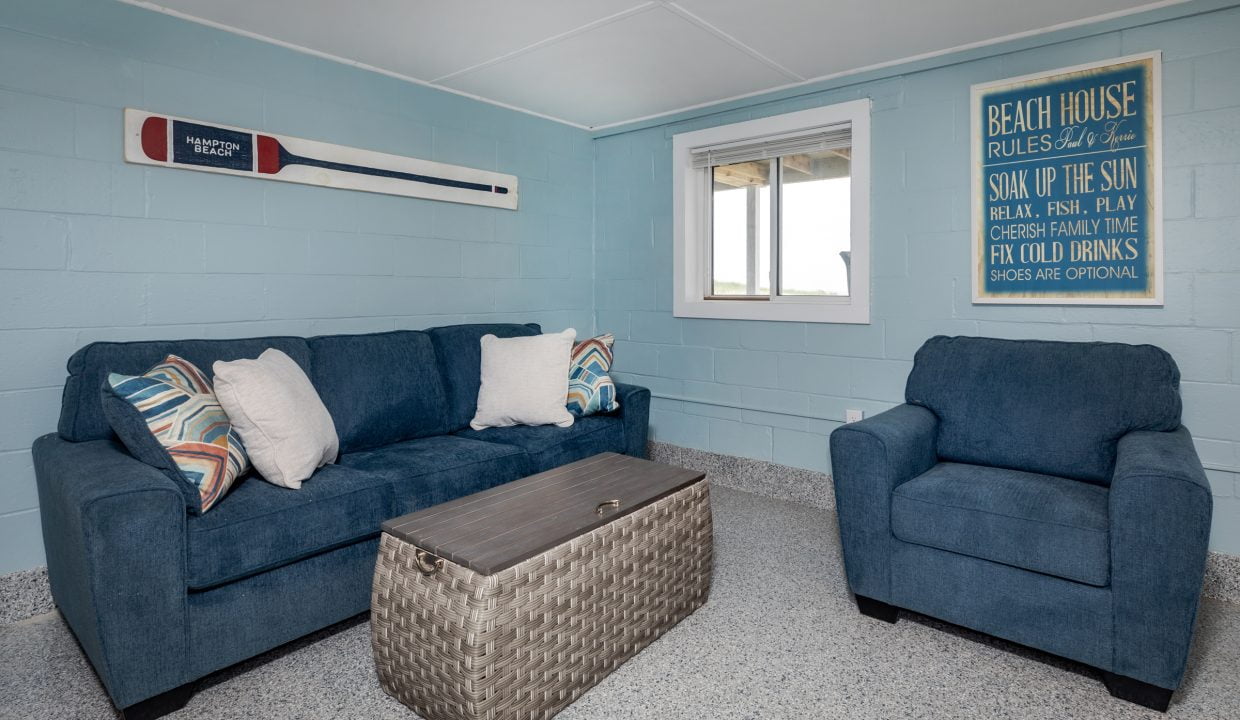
(526, 640)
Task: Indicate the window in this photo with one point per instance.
(772, 218)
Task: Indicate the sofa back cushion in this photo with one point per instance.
(1057, 408)
(459, 352)
(81, 408)
(380, 388)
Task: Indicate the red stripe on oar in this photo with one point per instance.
(268, 155)
(155, 138)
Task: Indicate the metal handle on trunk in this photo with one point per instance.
(427, 563)
(606, 504)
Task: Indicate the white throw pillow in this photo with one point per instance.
(524, 381)
(273, 407)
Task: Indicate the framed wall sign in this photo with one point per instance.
(168, 141)
(1067, 186)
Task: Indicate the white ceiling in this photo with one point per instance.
(596, 63)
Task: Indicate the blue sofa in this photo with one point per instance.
(158, 597)
(1042, 492)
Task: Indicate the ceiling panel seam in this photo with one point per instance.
(755, 54)
(636, 10)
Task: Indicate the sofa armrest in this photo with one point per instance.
(868, 460)
(114, 532)
(635, 412)
(1160, 507)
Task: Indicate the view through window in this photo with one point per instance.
(813, 230)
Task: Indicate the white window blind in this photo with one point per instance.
(828, 137)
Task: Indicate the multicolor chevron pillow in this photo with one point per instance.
(590, 388)
(195, 442)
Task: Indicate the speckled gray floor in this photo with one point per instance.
(24, 594)
(779, 638)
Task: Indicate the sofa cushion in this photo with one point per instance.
(279, 415)
(380, 388)
(260, 526)
(590, 387)
(458, 349)
(1048, 407)
(524, 381)
(81, 409)
(428, 471)
(170, 418)
(1042, 523)
(549, 446)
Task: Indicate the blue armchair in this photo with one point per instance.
(1042, 492)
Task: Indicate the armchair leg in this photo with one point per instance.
(1135, 691)
(877, 609)
(160, 705)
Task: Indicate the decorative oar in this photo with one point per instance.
(273, 157)
(155, 139)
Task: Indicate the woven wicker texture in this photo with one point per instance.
(527, 641)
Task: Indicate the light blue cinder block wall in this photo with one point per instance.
(774, 391)
(94, 249)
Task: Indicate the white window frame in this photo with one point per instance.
(692, 224)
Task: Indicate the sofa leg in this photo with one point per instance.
(1135, 691)
(160, 705)
(877, 609)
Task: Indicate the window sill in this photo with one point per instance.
(817, 310)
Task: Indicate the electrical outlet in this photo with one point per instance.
(852, 416)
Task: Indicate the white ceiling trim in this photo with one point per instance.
(146, 5)
(901, 61)
(672, 6)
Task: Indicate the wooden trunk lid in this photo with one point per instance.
(495, 529)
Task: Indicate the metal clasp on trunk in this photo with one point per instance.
(606, 504)
(427, 563)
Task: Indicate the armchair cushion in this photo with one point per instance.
(1057, 408)
(1043, 523)
(1036, 522)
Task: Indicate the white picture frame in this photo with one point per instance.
(1093, 281)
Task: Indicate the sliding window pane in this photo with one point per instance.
(741, 229)
(815, 230)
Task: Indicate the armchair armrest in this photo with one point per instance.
(635, 412)
(1160, 509)
(114, 531)
(868, 460)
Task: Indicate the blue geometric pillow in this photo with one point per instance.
(194, 441)
(590, 388)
